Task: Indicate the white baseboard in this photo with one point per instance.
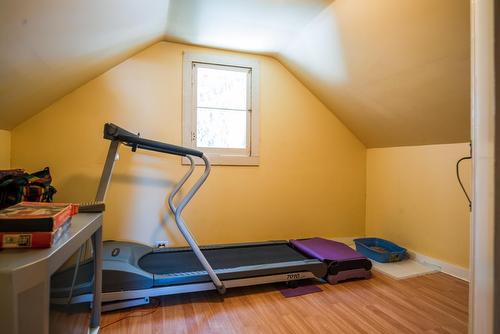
(445, 267)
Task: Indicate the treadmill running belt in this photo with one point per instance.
(220, 258)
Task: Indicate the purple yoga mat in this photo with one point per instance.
(299, 291)
(324, 249)
(343, 262)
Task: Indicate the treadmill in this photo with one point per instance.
(132, 272)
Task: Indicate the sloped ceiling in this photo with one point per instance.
(395, 72)
(51, 47)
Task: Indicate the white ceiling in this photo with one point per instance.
(258, 26)
(395, 72)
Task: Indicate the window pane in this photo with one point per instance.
(221, 128)
(221, 88)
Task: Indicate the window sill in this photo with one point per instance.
(226, 160)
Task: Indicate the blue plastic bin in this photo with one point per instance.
(380, 250)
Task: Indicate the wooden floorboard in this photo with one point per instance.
(435, 303)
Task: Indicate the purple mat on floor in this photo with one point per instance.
(343, 262)
(324, 249)
(299, 291)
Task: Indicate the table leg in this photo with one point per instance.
(95, 319)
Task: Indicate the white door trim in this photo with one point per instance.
(481, 303)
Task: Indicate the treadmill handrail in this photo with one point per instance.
(177, 211)
(118, 136)
(179, 185)
(116, 133)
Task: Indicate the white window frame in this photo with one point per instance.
(248, 156)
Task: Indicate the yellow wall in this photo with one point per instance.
(414, 199)
(4, 149)
(311, 180)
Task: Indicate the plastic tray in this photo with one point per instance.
(380, 250)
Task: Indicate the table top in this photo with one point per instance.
(83, 225)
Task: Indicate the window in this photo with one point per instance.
(221, 108)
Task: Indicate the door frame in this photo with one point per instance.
(482, 283)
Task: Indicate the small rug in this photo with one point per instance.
(302, 289)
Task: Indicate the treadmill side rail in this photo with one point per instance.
(313, 266)
(121, 297)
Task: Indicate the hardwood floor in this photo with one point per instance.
(435, 303)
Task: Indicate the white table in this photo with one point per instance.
(25, 278)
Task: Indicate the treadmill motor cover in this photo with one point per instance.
(343, 261)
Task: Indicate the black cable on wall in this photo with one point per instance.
(460, 181)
